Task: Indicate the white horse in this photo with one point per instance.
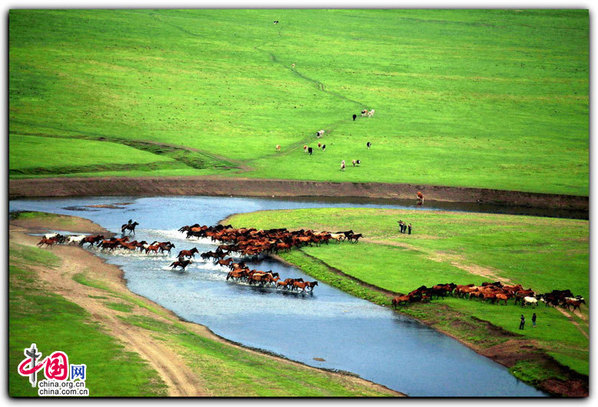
(529, 301)
(75, 239)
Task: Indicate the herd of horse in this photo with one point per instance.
(248, 242)
(492, 292)
(108, 244)
(252, 243)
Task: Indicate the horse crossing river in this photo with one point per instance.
(328, 329)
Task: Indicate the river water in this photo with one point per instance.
(328, 329)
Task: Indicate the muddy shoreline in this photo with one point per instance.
(222, 186)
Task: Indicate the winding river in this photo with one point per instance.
(328, 329)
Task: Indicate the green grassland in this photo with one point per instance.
(540, 253)
(53, 323)
(477, 98)
(36, 315)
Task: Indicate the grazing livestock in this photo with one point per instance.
(354, 117)
(371, 113)
(319, 145)
(305, 148)
(278, 147)
(292, 65)
(319, 133)
(368, 144)
(364, 112)
(310, 150)
(323, 147)
(275, 21)
(343, 165)
(356, 162)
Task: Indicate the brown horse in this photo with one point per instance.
(400, 300)
(226, 262)
(48, 242)
(311, 284)
(188, 253)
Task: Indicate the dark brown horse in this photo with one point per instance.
(128, 226)
(180, 263)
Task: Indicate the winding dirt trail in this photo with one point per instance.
(179, 378)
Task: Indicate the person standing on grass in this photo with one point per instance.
(522, 323)
(409, 232)
(401, 226)
(534, 320)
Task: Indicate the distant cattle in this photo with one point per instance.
(305, 148)
(343, 165)
(368, 144)
(355, 162)
(354, 117)
(319, 133)
(364, 112)
(310, 150)
(275, 21)
(323, 147)
(371, 113)
(278, 147)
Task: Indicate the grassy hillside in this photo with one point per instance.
(464, 248)
(480, 98)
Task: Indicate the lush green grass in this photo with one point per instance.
(52, 323)
(541, 253)
(504, 84)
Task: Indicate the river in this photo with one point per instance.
(329, 329)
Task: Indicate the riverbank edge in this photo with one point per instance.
(501, 355)
(280, 188)
(40, 226)
(554, 387)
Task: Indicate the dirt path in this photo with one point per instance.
(179, 378)
(568, 315)
(162, 355)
